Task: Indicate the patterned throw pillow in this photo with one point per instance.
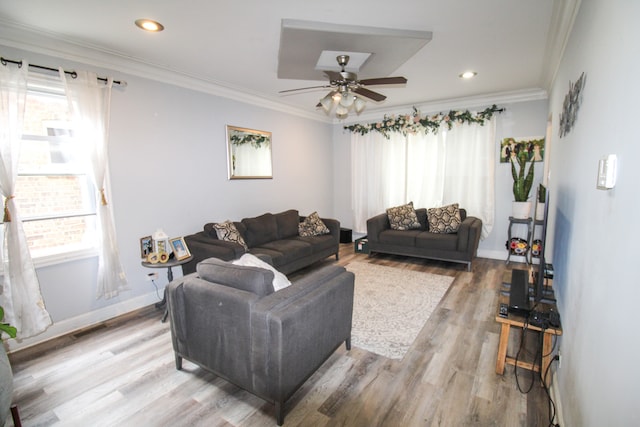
(403, 217)
(445, 219)
(227, 231)
(312, 226)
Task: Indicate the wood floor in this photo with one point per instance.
(122, 373)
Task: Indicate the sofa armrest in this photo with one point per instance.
(295, 329)
(469, 235)
(334, 227)
(376, 225)
(202, 247)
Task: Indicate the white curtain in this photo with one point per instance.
(90, 102)
(431, 170)
(20, 293)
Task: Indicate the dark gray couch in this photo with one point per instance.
(459, 247)
(272, 237)
(227, 319)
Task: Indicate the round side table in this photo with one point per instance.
(171, 263)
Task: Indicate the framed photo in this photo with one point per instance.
(180, 249)
(146, 247)
(248, 153)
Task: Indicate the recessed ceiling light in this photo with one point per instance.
(468, 75)
(149, 25)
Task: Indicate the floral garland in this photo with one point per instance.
(252, 138)
(416, 122)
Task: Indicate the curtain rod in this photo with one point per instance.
(73, 74)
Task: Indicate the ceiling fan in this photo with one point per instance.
(348, 91)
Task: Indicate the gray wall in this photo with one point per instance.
(594, 244)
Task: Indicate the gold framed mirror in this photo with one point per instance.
(248, 153)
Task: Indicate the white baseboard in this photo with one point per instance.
(555, 395)
(85, 320)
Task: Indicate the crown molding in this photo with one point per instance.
(53, 44)
(462, 103)
(562, 19)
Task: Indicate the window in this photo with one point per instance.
(54, 192)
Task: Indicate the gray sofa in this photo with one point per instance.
(272, 237)
(227, 319)
(461, 246)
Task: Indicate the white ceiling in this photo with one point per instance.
(231, 48)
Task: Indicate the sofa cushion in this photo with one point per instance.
(318, 243)
(280, 281)
(290, 249)
(312, 226)
(437, 241)
(227, 231)
(445, 219)
(399, 237)
(250, 279)
(261, 229)
(403, 217)
(287, 223)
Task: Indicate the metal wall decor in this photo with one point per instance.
(571, 105)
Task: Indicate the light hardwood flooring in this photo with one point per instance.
(122, 373)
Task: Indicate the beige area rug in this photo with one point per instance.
(391, 305)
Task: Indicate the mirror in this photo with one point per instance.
(249, 153)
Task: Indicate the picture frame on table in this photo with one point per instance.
(146, 247)
(180, 249)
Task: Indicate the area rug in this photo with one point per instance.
(391, 305)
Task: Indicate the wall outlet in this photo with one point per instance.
(151, 276)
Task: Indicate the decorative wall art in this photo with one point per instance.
(571, 105)
(249, 153)
(529, 148)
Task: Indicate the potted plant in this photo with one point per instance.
(522, 181)
(6, 375)
(542, 198)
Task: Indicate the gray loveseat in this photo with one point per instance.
(461, 246)
(272, 237)
(228, 320)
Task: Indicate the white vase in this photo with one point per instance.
(540, 211)
(6, 384)
(521, 210)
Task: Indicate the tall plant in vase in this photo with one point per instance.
(522, 181)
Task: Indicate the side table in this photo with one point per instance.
(171, 263)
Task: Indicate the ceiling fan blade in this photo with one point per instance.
(384, 81)
(305, 88)
(370, 94)
(332, 75)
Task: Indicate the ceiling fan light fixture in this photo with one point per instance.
(359, 105)
(327, 103)
(347, 100)
(341, 111)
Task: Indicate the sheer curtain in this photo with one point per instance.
(20, 293)
(452, 166)
(89, 102)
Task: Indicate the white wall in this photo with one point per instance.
(168, 169)
(521, 119)
(595, 242)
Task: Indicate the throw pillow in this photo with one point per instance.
(228, 232)
(445, 219)
(312, 226)
(280, 281)
(403, 217)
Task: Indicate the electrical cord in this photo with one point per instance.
(520, 349)
(552, 405)
(157, 291)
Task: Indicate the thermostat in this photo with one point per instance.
(607, 172)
